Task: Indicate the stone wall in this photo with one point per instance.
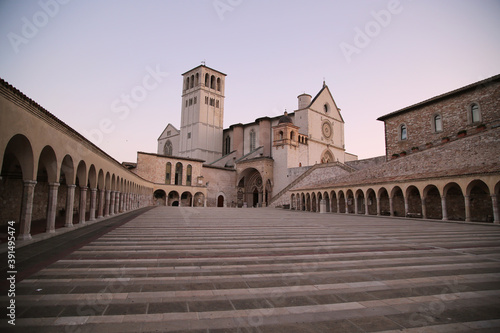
(220, 181)
(454, 109)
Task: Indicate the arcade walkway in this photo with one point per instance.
(260, 270)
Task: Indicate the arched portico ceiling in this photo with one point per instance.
(18, 158)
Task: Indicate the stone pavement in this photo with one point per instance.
(267, 270)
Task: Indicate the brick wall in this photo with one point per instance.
(454, 110)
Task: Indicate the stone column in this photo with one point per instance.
(108, 203)
(322, 206)
(112, 202)
(346, 205)
(102, 201)
(83, 204)
(391, 206)
(378, 205)
(117, 202)
(93, 201)
(338, 205)
(356, 206)
(467, 208)
(406, 205)
(494, 201)
(26, 209)
(52, 208)
(70, 202)
(424, 209)
(366, 205)
(443, 208)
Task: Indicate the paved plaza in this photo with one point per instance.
(260, 270)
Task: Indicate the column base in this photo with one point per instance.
(24, 237)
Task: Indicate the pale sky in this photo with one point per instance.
(80, 59)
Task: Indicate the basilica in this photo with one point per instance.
(261, 158)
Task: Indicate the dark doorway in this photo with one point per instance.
(220, 201)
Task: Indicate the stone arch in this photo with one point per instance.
(350, 202)
(326, 197)
(413, 202)
(308, 202)
(371, 201)
(313, 202)
(159, 198)
(173, 198)
(334, 202)
(479, 202)
(432, 203)
(454, 202)
(398, 201)
(384, 206)
(186, 199)
(199, 199)
(342, 202)
(221, 199)
(302, 202)
(292, 201)
(19, 155)
(360, 202)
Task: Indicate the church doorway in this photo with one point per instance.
(220, 201)
(255, 201)
(160, 198)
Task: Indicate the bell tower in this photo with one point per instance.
(202, 114)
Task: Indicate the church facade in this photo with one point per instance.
(263, 156)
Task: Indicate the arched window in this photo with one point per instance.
(217, 104)
(168, 148)
(475, 114)
(207, 80)
(212, 82)
(403, 132)
(438, 123)
(187, 83)
(192, 81)
(178, 173)
(292, 135)
(326, 107)
(168, 173)
(252, 140)
(218, 84)
(189, 170)
(197, 79)
(227, 145)
(281, 135)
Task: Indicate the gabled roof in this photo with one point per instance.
(325, 88)
(169, 127)
(442, 96)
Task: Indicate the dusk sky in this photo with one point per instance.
(79, 58)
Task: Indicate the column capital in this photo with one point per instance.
(29, 182)
(71, 186)
(54, 184)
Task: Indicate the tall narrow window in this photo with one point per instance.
(218, 84)
(187, 83)
(178, 174)
(168, 149)
(212, 82)
(438, 123)
(192, 81)
(197, 79)
(168, 173)
(252, 140)
(227, 145)
(189, 171)
(474, 113)
(404, 132)
(207, 80)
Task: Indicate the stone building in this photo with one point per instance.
(267, 154)
(442, 162)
